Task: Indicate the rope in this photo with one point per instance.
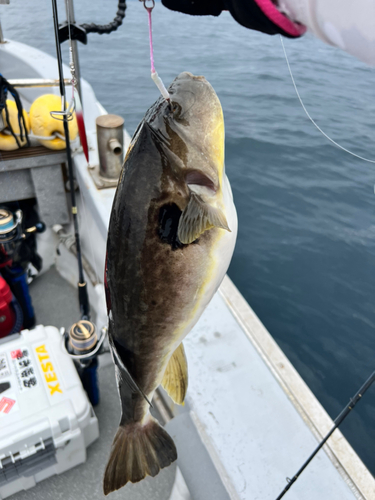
(311, 119)
(55, 135)
(155, 77)
(108, 28)
(4, 87)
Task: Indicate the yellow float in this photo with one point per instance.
(43, 124)
(8, 142)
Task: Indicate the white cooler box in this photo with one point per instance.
(46, 419)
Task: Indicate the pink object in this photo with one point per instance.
(7, 314)
(155, 77)
(17, 354)
(270, 10)
(149, 10)
(6, 404)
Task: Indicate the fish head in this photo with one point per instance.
(191, 129)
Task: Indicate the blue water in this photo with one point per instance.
(306, 245)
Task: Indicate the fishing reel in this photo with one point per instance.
(18, 251)
(12, 233)
(10, 228)
(83, 346)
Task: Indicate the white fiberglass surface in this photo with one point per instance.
(256, 432)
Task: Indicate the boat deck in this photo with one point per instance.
(238, 436)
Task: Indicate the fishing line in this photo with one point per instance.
(155, 77)
(311, 119)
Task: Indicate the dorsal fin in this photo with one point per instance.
(175, 379)
(197, 217)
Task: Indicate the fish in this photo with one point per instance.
(171, 237)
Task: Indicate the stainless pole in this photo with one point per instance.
(1, 35)
(70, 18)
(37, 82)
(2, 2)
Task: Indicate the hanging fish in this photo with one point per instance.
(171, 237)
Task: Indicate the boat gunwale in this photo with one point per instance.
(339, 451)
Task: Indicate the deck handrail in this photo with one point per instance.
(37, 82)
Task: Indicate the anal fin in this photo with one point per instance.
(175, 380)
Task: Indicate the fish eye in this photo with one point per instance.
(175, 109)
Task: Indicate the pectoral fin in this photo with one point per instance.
(175, 380)
(197, 217)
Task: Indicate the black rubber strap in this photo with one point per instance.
(108, 28)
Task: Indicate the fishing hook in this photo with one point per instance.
(149, 9)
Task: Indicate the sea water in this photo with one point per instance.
(305, 255)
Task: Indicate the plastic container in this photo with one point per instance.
(46, 420)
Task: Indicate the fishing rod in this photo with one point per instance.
(338, 420)
(82, 285)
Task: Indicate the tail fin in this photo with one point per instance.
(138, 450)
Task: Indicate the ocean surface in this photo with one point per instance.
(305, 255)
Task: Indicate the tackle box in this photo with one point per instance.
(46, 419)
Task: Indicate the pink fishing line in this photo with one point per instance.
(155, 77)
(149, 10)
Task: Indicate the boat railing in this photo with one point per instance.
(37, 82)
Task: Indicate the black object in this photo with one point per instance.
(23, 250)
(245, 12)
(44, 457)
(88, 372)
(82, 285)
(76, 33)
(169, 217)
(17, 250)
(196, 8)
(108, 28)
(80, 31)
(4, 386)
(16, 277)
(4, 87)
(82, 344)
(338, 420)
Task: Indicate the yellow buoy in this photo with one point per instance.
(8, 142)
(43, 124)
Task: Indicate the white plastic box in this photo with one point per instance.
(46, 419)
